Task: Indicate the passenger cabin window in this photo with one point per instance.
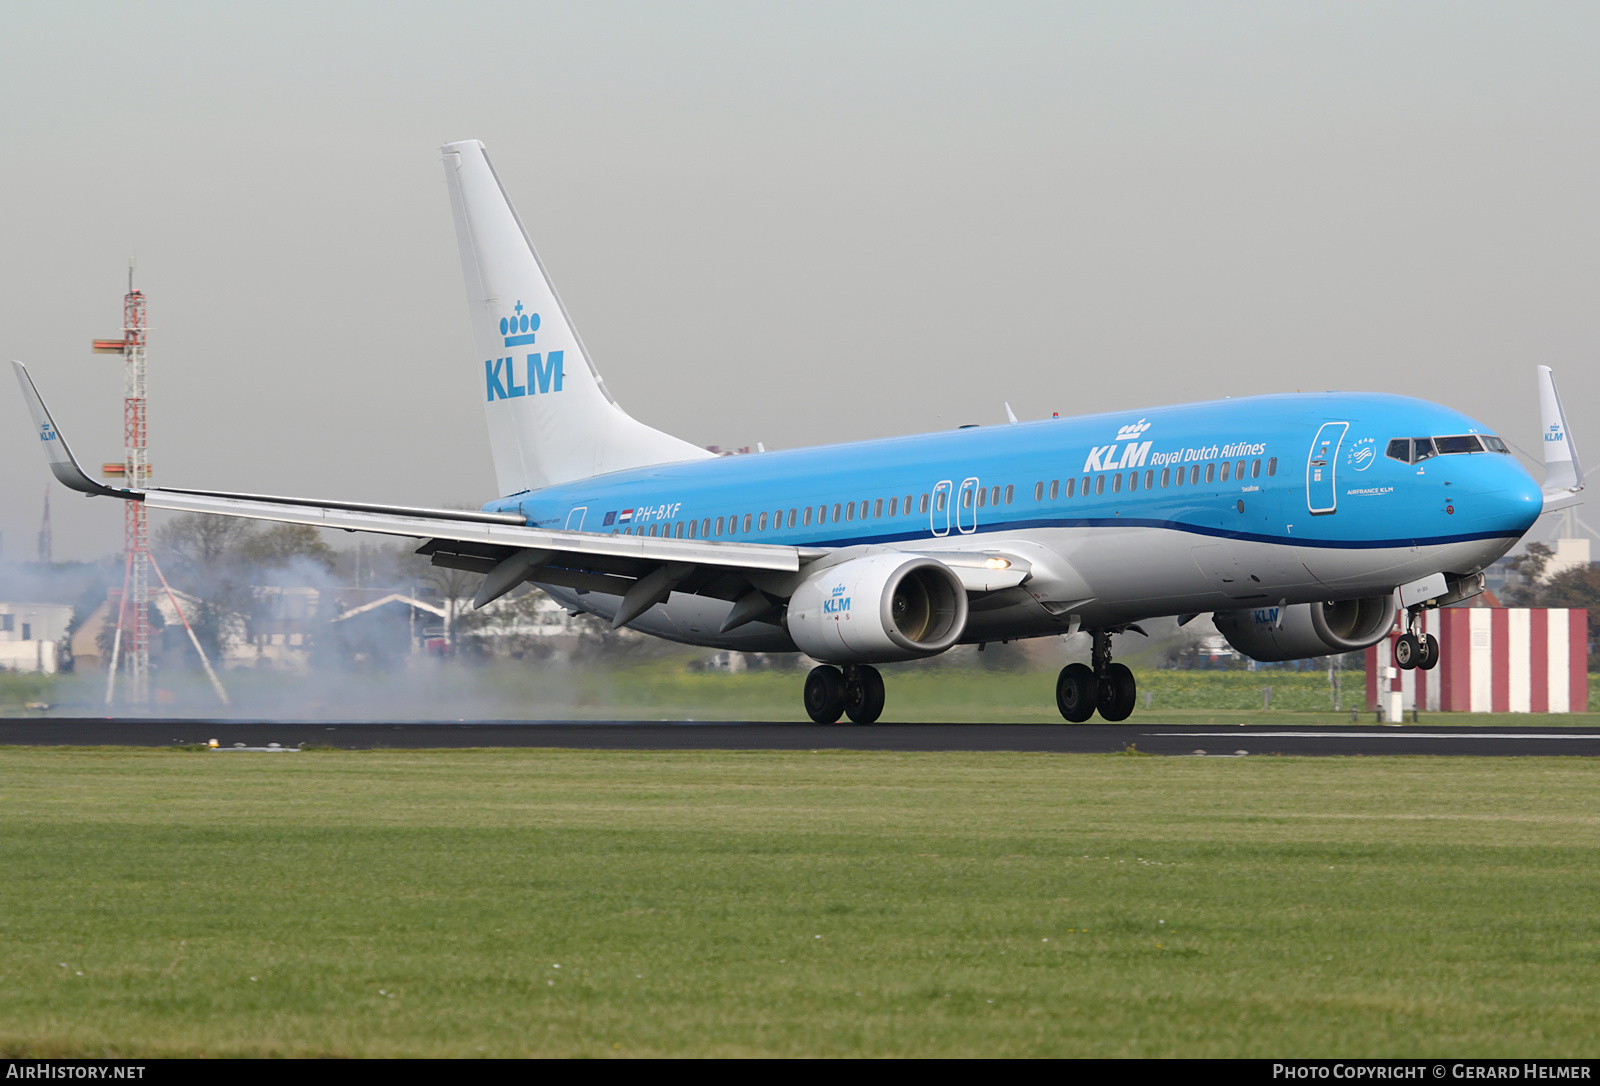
(983, 498)
(1255, 468)
(761, 523)
(747, 522)
(1225, 467)
(1166, 476)
(1272, 466)
(877, 510)
(894, 507)
(1009, 491)
(1038, 492)
(1055, 488)
(1211, 473)
(1072, 487)
(1099, 484)
(922, 506)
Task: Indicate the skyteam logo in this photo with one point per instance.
(837, 602)
(46, 433)
(1132, 455)
(1363, 454)
(541, 373)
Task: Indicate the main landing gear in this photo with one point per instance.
(857, 692)
(1107, 687)
(1414, 650)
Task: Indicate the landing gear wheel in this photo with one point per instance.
(1076, 693)
(1428, 659)
(824, 694)
(863, 694)
(1118, 691)
(1407, 649)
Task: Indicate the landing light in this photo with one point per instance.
(997, 563)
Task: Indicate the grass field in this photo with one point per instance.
(780, 904)
(666, 689)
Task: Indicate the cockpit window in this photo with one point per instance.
(1414, 450)
(1410, 450)
(1466, 443)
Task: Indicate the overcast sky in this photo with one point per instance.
(789, 223)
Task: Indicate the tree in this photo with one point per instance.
(1530, 567)
(225, 562)
(1575, 587)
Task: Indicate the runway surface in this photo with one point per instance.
(1207, 740)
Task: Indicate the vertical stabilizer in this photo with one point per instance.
(551, 419)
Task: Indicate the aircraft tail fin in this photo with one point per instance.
(1563, 474)
(551, 418)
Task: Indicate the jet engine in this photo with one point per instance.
(877, 609)
(1307, 629)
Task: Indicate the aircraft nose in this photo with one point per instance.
(1505, 498)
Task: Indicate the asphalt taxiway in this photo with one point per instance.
(1165, 739)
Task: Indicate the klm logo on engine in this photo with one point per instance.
(837, 603)
(540, 373)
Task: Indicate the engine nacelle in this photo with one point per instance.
(877, 609)
(1307, 629)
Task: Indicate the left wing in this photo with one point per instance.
(643, 570)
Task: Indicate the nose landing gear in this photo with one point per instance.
(1412, 650)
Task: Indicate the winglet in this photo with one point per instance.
(62, 463)
(1563, 475)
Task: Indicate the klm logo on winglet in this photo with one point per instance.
(539, 372)
(1554, 433)
(46, 433)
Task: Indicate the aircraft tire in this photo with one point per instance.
(824, 694)
(1118, 692)
(1428, 659)
(1076, 692)
(863, 694)
(1406, 651)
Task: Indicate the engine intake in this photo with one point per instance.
(878, 609)
(1307, 629)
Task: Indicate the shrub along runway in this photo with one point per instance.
(1218, 734)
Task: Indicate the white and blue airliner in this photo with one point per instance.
(1305, 524)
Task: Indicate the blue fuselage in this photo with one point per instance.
(1308, 471)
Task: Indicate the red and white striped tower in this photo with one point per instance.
(132, 643)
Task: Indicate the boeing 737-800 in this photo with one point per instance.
(1305, 523)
